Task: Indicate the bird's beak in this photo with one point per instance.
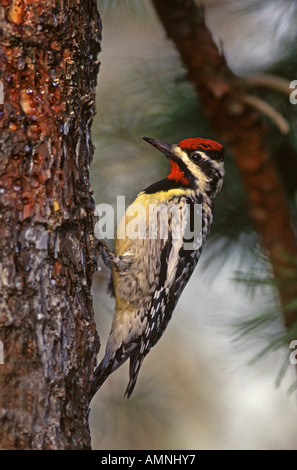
(162, 146)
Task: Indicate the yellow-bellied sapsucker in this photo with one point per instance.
(150, 272)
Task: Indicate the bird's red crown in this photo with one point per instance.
(198, 143)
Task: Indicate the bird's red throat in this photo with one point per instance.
(176, 174)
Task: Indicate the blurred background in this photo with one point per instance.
(207, 384)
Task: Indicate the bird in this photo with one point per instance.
(150, 271)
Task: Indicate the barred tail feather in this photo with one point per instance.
(100, 375)
(109, 365)
(104, 369)
(136, 361)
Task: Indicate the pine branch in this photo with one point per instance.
(270, 111)
(280, 84)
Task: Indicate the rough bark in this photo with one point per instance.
(244, 132)
(49, 69)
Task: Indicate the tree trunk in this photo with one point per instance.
(221, 94)
(49, 70)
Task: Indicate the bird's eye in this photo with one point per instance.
(195, 157)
